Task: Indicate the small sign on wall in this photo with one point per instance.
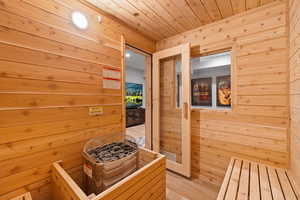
(115, 74)
(95, 111)
(111, 78)
(111, 84)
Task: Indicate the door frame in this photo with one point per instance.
(185, 167)
(148, 82)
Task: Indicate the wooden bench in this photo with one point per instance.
(25, 196)
(246, 180)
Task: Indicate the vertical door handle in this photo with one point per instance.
(185, 110)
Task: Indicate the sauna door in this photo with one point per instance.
(171, 107)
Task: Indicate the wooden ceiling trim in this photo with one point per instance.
(142, 17)
(138, 17)
(128, 18)
(199, 10)
(213, 9)
(176, 13)
(183, 6)
(238, 6)
(159, 19)
(225, 7)
(164, 15)
(252, 4)
(151, 14)
(264, 2)
(108, 10)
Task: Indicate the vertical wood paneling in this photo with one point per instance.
(238, 6)
(257, 126)
(212, 9)
(50, 74)
(294, 61)
(225, 7)
(170, 114)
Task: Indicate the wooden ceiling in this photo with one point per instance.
(159, 19)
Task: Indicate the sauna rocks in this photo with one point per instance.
(111, 152)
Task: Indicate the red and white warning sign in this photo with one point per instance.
(88, 170)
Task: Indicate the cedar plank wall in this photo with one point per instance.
(50, 73)
(257, 126)
(294, 59)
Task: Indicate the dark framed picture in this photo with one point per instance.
(201, 92)
(224, 91)
(134, 95)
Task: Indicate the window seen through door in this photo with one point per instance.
(210, 81)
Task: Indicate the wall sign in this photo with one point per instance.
(88, 170)
(111, 78)
(95, 111)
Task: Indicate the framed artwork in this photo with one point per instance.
(134, 95)
(224, 91)
(201, 92)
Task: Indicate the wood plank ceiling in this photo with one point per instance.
(159, 19)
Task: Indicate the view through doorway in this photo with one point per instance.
(138, 96)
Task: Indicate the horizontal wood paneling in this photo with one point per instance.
(241, 27)
(56, 15)
(50, 74)
(294, 61)
(257, 126)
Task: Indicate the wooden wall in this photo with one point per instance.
(50, 74)
(294, 59)
(257, 126)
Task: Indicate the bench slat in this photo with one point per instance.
(293, 184)
(254, 182)
(244, 182)
(285, 184)
(226, 180)
(26, 196)
(247, 180)
(234, 181)
(275, 186)
(264, 183)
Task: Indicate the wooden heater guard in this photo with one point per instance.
(148, 182)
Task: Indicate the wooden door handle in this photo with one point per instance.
(185, 110)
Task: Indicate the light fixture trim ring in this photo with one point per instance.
(80, 20)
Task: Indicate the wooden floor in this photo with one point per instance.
(136, 131)
(180, 188)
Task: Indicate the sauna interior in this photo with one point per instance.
(216, 110)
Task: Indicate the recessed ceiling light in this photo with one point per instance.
(127, 55)
(80, 20)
